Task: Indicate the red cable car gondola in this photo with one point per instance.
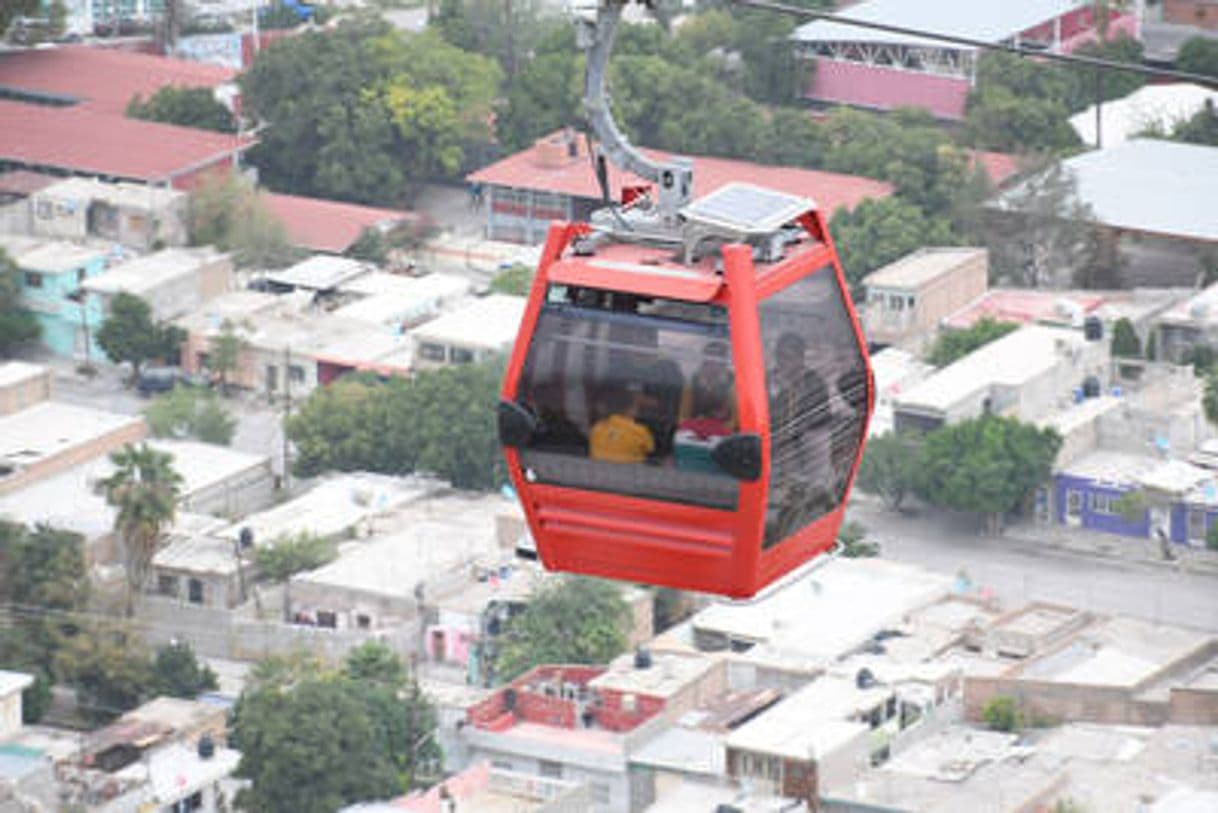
(687, 399)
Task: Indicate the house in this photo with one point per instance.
(12, 684)
(198, 566)
(555, 180)
(895, 371)
(906, 299)
(22, 385)
(173, 281)
(329, 226)
(1191, 323)
(1151, 107)
(135, 215)
(882, 70)
(1159, 234)
(1198, 13)
(483, 787)
(551, 722)
(52, 273)
(318, 275)
(51, 437)
(474, 333)
(1027, 374)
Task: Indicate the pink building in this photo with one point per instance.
(882, 70)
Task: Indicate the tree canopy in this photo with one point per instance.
(190, 412)
(187, 107)
(1198, 55)
(228, 213)
(285, 557)
(952, 345)
(129, 334)
(890, 467)
(439, 421)
(988, 465)
(371, 727)
(177, 672)
(570, 620)
(17, 324)
(362, 111)
(878, 232)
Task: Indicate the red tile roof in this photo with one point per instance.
(23, 183)
(327, 225)
(103, 78)
(1021, 306)
(546, 167)
(86, 141)
(1000, 166)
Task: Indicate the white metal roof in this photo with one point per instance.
(319, 273)
(1149, 106)
(987, 20)
(1147, 185)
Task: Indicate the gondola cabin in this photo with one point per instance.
(688, 415)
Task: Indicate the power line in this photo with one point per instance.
(952, 39)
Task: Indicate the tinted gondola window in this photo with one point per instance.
(817, 386)
(631, 394)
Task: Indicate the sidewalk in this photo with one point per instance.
(871, 512)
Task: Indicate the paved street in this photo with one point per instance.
(1018, 568)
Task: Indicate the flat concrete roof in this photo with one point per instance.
(1117, 652)
(490, 323)
(859, 595)
(149, 272)
(238, 307)
(914, 270)
(120, 193)
(51, 256)
(50, 428)
(813, 722)
(667, 675)
(1013, 360)
(15, 372)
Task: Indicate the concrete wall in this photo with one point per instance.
(17, 218)
(1193, 707)
(59, 218)
(25, 392)
(1048, 702)
(244, 493)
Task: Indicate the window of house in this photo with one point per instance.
(328, 619)
(363, 621)
(550, 769)
(167, 585)
(33, 279)
(195, 591)
(296, 374)
(1074, 503)
(272, 378)
(600, 792)
(460, 355)
(896, 302)
(1196, 525)
(1103, 504)
(430, 351)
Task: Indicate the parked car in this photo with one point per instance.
(153, 380)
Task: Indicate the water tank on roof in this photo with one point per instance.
(642, 658)
(1091, 387)
(1093, 329)
(207, 747)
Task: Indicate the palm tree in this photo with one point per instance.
(144, 488)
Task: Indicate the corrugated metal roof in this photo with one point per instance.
(1150, 186)
(987, 20)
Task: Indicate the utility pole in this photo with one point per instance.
(287, 413)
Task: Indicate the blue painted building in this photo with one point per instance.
(1183, 499)
(51, 274)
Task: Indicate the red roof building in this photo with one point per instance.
(326, 225)
(554, 180)
(104, 79)
(83, 141)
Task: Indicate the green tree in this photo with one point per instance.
(881, 231)
(224, 353)
(570, 620)
(17, 324)
(13, 9)
(228, 213)
(988, 465)
(144, 488)
(1001, 713)
(370, 246)
(287, 556)
(190, 412)
(952, 345)
(1132, 506)
(1198, 55)
(1201, 129)
(129, 334)
(1125, 341)
(439, 421)
(176, 672)
(109, 672)
(515, 281)
(368, 722)
(853, 538)
(186, 107)
(1211, 537)
(890, 467)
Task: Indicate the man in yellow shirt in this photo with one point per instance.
(618, 437)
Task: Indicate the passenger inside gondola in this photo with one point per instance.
(620, 437)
